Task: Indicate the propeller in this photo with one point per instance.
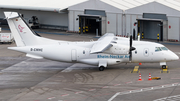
(131, 49)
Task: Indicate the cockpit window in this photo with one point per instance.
(164, 48)
(160, 49)
(157, 49)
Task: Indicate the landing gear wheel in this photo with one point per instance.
(164, 67)
(101, 68)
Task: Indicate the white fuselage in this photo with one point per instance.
(107, 50)
(80, 52)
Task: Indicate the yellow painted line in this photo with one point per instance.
(135, 70)
(164, 71)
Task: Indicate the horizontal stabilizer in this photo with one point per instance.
(34, 56)
(103, 43)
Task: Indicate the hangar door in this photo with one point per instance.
(92, 22)
(149, 29)
(152, 25)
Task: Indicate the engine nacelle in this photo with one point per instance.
(118, 49)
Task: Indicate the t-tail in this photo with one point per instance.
(23, 34)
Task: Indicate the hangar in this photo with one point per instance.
(148, 18)
(158, 17)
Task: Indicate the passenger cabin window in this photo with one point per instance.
(146, 52)
(83, 52)
(157, 49)
(135, 52)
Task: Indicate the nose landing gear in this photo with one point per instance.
(164, 67)
(163, 64)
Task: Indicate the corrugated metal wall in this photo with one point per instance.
(73, 23)
(173, 28)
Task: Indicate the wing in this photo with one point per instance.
(103, 43)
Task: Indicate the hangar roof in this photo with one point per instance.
(42, 5)
(127, 4)
(168, 7)
(58, 5)
(130, 4)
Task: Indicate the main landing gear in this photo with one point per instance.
(101, 68)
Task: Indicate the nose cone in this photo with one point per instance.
(174, 57)
(171, 56)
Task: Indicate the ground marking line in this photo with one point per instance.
(79, 92)
(92, 89)
(114, 96)
(128, 82)
(170, 98)
(143, 89)
(68, 69)
(50, 98)
(65, 95)
(117, 84)
(15, 65)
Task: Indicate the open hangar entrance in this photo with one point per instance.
(152, 26)
(92, 22)
(89, 24)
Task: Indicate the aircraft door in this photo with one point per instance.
(73, 55)
(146, 52)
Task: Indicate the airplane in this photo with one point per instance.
(107, 50)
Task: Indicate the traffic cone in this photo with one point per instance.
(149, 77)
(140, 77)
(140, 63)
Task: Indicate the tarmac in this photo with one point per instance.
(27, 79)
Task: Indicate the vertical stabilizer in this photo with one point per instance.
(23, 35)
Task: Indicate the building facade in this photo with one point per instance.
(150, 18)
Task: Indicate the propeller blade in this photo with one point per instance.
(130, 41)
(131, 49)
(130, 56)
(134, 34)
(130, 53)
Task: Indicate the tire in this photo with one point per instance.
(101, 68)
(163, 66)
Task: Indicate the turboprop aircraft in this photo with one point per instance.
(107, 50)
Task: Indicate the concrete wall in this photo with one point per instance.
(49, 18)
